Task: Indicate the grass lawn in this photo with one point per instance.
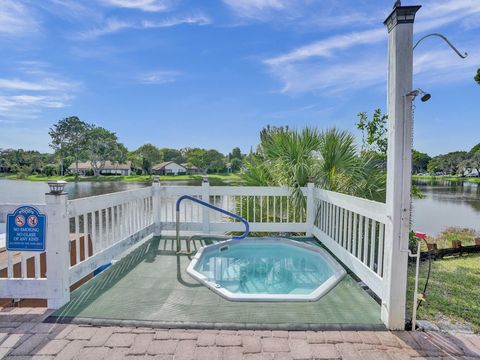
(447, 178)
(453, 291)
(235, 178)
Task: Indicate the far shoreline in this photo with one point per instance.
(129, 178)
(446, 178)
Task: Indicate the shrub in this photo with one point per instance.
(49, 170)
(21, 175)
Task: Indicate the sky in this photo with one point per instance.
(212, 73)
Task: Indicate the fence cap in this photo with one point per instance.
(56, 187)
(310, 179)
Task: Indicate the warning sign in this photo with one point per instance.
(26, 230)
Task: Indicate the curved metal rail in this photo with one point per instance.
(210, 206)
(444, 38)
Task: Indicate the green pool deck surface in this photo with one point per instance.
(151, 285)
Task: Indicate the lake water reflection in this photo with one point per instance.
(446, 204)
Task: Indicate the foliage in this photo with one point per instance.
(235, 154)
(288, 158)
(477, 77)
(150, 155)
(374, 131)
(419, 161)
(69, 138)
(236, 164)
(450, 163)
(102, 145)
(49, 170)
(445, 238)
(172, 155)
(209, 160)
(26, 161)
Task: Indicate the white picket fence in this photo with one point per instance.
(86, 233)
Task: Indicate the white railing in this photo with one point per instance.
(86, 233)
(267, 209)
(104, 226)
(353, 229)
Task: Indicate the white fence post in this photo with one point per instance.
(310, 207)
(57, 247)
(205, 210)
(399, 164)
(156, 207)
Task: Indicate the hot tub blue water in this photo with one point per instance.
(266, 269)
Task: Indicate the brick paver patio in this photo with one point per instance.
(23, 335)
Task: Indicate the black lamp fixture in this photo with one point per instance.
(414, 93)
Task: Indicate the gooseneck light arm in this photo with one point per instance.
(463, 56)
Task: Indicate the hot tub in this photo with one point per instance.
(266, 269)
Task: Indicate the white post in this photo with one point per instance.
(399, 164)
(205, 210)
(310, 207)
(58, 255)
(156, 207)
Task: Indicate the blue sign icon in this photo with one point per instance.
(26, 230)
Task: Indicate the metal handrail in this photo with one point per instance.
(210, 206)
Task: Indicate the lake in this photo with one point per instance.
(444, 204)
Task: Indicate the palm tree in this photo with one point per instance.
(289, 157)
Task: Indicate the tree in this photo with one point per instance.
(419, 161)
(69, 138)
(102, 145)
(172, 155)
(374, 132)
(149, 155)
(215, 161)
(288, 158)
(449, 163)
(474, 149)
(477, 77)
(236, 164)
(197, 157)
(235, 154)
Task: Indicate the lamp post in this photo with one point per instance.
(399, 164)
(399, 158)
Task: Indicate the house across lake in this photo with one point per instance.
(109, 168)
(172, 168)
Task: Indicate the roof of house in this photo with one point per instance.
(189, 166)
(165, 163)
(109, 165)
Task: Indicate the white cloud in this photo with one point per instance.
(35, 88)
(325, 48)
(144, 5)
(112, 25)
(199, 19)
(255, 8)
(332, 64)
(16, 19)
(45, 84)
(158, 77)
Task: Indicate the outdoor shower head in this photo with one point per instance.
(414, 93)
